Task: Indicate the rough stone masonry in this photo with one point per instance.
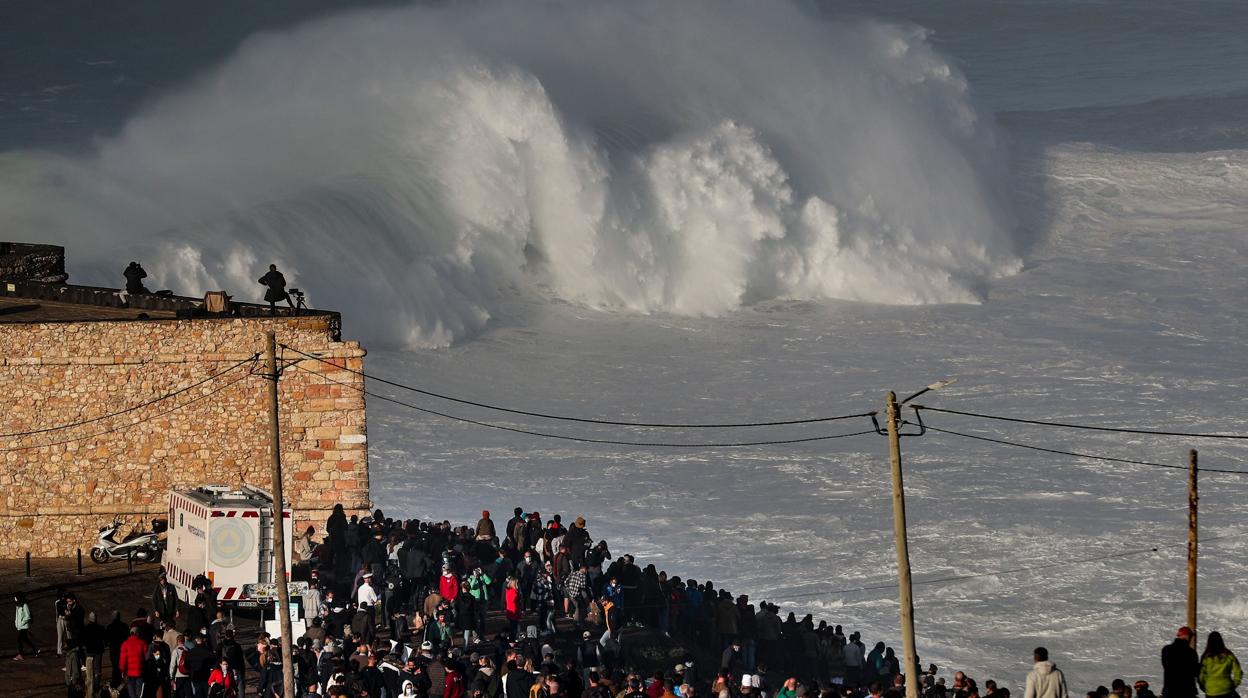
(58, 487)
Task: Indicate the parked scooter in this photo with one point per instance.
(138, 545)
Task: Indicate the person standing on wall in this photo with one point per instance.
(134, 278)
(276, 284)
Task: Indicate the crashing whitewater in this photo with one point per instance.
(412, 167)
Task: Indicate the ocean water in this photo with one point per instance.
(686, 211)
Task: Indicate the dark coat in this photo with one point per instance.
(94, 638)
(200, 661)
(232, 653)
(165, 601)
(1179, 666)
(277, 286)
(416, 562)
(519, 682)
(134, 279)
(577, 540)
(336, 527)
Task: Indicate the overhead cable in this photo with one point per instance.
(166, 396)
(582, 420)
(1067, 425)
(1111, 459)
(563, 437)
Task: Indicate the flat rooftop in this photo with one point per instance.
(37, 310)
(36, 301)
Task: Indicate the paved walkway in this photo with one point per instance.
(101, 588)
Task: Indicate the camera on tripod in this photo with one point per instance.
(298, 296)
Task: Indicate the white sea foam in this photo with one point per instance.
(409, 166)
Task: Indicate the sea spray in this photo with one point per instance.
(409, 166)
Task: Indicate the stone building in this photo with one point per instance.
(111, 400)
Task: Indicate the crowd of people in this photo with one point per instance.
(530, 608)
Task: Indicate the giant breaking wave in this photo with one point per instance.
(414, 166)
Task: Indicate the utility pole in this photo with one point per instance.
(1193, 538)
(903, 550)
(279, 523)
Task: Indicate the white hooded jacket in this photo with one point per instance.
(1045, 681)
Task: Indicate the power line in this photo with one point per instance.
(562, 437)
(583, 420)
(128, 410)
(1067, 425)
(1081, 455)
(130, 424)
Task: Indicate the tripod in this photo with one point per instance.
(299, 301)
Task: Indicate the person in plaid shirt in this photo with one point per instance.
(576, 591)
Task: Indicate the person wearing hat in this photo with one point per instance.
(485, 527)
(1179, 666)
(366, 595)
(577, 540)
(533, 532)
(448, 584)
(588, 655)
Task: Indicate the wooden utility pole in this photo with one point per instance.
(279, 523)
(903, 550)
(1193, 538)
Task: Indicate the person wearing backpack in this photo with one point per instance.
(178, 669)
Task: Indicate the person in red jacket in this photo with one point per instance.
(223, 676)
(448, 585)
(514, 605)
(130, 662)
(454, 687)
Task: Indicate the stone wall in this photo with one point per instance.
(58, 487)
